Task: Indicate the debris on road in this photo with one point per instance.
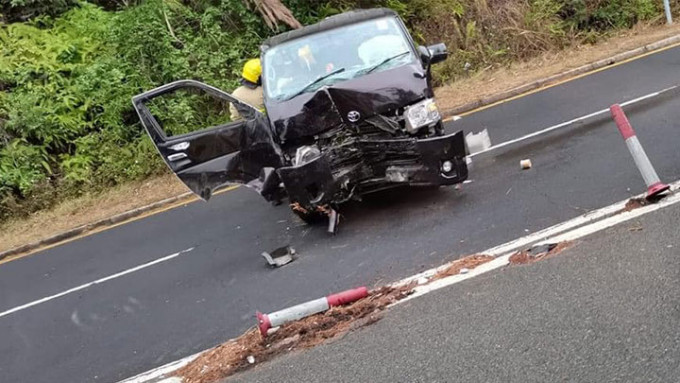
(278, 318)
(478, 142)
(525, 164)
(333, 220)
(250, 359)
(233, 356)
(635, 203)
(538, 253)
(467, 263)
(279, 257)
(635, 228)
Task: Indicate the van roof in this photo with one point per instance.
(331, 22)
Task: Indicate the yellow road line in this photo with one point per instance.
(476, 110)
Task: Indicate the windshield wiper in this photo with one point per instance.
(311, 84)
(383, 62)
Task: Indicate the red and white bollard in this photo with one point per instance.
(654, 184)
(276, 319)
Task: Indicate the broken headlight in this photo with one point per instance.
(421, 114)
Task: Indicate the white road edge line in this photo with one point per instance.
(159, 373)
(98, 281)
(570, 122)
(503, 258)
(575, 228)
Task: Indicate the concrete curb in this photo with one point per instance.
(446, 113)
(561, 76)
(90, 226)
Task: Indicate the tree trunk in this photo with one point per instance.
(273, 12)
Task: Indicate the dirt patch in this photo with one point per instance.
(469, 262)
(87, 209)
(495, 80)
(232, 357)
(635, 203)
(534, 254)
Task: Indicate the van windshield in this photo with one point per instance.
(310, 62)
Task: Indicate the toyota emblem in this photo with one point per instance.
(353, 116)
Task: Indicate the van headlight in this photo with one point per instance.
(421, 114)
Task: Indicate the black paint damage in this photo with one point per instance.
(382, 93)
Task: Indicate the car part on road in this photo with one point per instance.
(276, 319)
(279, 257)
(654, 184)
(333, 220)
(478, 142)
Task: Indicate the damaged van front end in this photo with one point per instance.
(346, 142)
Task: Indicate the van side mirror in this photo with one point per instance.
(438, 53)
(433, 54)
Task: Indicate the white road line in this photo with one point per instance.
(162, 371)
(570, 122)
(547, 233)
(511, 247)
(573, 229)
(98, 281)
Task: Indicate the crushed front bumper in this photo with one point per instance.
(370, 165)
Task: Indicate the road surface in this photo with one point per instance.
(144, 318)
(605, 310)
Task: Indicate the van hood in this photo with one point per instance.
(348, 102)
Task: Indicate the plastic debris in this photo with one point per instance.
(538, 251)
(478, 142)
(525, 164)
(279, 257)
(464, 270)
(251, 359)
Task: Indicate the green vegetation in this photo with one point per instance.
(68, 69)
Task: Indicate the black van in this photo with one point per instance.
(349, 111)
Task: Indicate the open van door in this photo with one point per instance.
(214, 153)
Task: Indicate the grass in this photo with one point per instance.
(86, 209)
(492, 81)
(93, 207)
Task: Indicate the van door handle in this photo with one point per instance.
(177, 156)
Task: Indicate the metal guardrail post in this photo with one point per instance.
(667, 7)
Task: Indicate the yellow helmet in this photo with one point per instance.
(252, 70)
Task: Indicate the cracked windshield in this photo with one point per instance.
(310, 62)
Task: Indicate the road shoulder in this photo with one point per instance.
(606, 309)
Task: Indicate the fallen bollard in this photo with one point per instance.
(276, 319)
(654, 184)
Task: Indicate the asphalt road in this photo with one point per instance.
(606, 310)
(127, 325)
